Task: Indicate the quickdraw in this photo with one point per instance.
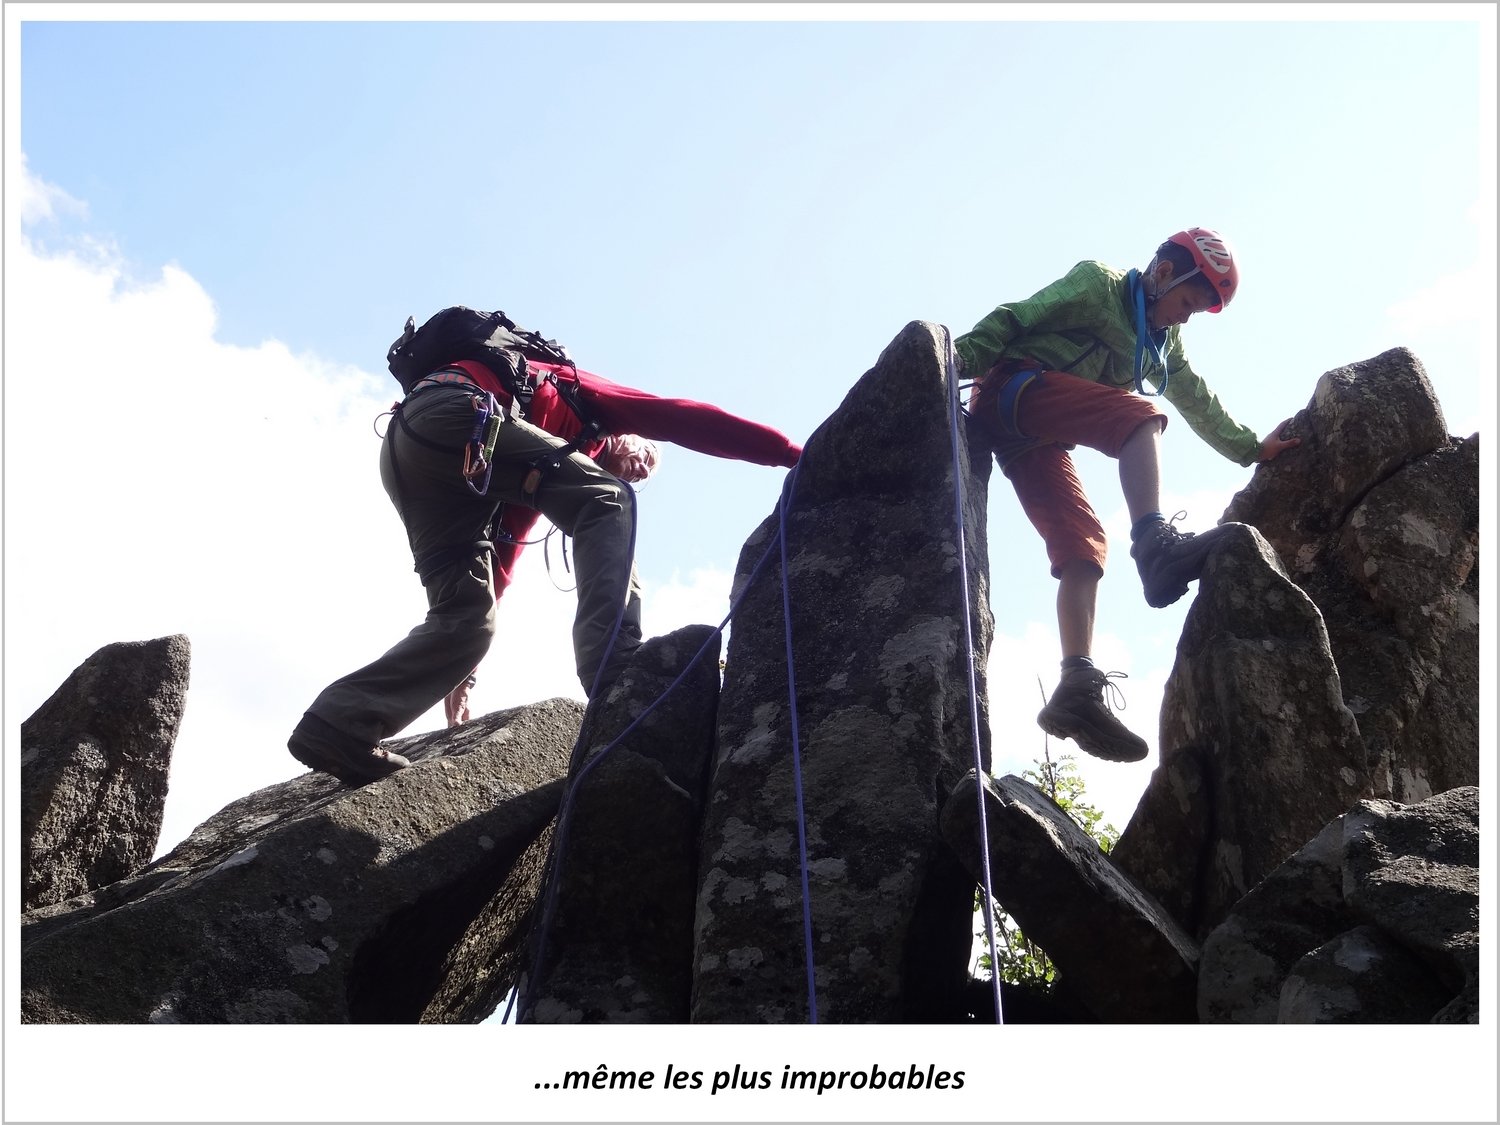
(480, 449)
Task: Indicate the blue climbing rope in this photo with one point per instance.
(1144, 338)
(780, 540)
(791, 688)
(979, 773)
(565, 813)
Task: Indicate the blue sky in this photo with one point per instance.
(214, 227)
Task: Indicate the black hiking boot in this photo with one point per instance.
(1168, 559)
(320, 746)
(1077, 711)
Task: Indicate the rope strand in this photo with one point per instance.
(791, 687)
(565, 813)
(963, 570)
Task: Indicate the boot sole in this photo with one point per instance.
(354, 769)
(1062, 724)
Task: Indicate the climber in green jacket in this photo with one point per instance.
(1071, 366)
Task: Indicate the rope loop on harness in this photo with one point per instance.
(375, 422)
(547, 558)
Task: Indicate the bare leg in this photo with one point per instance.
(1077, 591)
(1140, 470)
(1077, 708)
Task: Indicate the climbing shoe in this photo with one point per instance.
(320, 746)
(1168, 559)
(1077, 710)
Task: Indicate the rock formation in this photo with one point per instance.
(1124, 959)
(1342, 664)
(614, 940)
(94, 762)
(1258, 750)
(1306, 850)
(1376, 516)
(309, 902)
(875, 589)
(1376, 920)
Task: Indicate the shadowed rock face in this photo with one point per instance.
(876, 613)
(1118, 951)
(309, 902)
(614, 943)
(1258, 749)
(94, 764)
(1376, 920)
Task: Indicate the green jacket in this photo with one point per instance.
(1083, 324)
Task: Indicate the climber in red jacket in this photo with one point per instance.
(566, 459)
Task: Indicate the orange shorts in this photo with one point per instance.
(1034, 431)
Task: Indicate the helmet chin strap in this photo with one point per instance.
(1153, 292)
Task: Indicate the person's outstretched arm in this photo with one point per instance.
(699, 426)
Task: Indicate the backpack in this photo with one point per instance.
(456, 333)
(493, 339)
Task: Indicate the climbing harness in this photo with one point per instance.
(478, 457)
(999, 410)
(538, 468)
(1008, 401)
(1145, 339)
(431, 563)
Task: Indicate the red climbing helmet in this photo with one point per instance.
(1213, 259)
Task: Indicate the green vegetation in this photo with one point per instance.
(1021, 961)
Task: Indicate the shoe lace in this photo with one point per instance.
(1109, 691)
(1169, 532)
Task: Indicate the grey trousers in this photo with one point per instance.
(420, 466)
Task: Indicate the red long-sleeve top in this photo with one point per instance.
(620, 409)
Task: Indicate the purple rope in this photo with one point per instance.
(979, 774)
(565, 813)
(791, 687)
(565, 816)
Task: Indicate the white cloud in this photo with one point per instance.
(159, 481)
(700, 598)
(40, 201)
